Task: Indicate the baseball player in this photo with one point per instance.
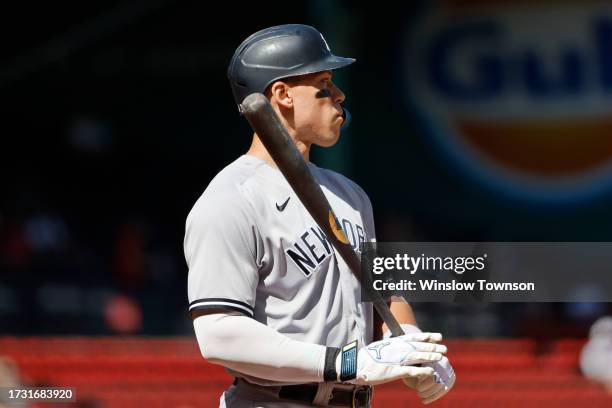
(271, 300)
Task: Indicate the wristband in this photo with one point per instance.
(329, 371)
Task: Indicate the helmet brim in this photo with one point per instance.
(328, 63)
(331, 62)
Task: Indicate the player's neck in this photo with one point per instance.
(257, 149)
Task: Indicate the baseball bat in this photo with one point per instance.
(264, 121)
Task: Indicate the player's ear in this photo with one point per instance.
(281, 94)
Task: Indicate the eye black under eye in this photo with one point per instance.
(323, 93)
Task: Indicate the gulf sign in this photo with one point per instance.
(515, 94)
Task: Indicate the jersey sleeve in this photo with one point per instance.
(220, 249)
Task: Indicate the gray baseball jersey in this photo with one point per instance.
(253, 248)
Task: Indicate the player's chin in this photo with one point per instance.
(330, 138)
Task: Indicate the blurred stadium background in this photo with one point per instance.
(472, 121)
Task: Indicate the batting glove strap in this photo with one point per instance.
(329, 371)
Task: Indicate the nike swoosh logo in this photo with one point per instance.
(281, 207)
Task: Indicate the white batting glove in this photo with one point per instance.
(433, 387)
(389, 359)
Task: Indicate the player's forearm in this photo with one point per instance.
(247, 346)
(403, 312)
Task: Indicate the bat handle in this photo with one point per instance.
(385, 314)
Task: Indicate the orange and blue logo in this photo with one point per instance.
(517, 94)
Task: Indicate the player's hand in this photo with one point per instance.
(395, 358)
(434, 387)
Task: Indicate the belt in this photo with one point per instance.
(353, 397)
(342, 395)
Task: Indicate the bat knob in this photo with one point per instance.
(253, 103)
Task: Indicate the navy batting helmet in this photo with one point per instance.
(279, 52)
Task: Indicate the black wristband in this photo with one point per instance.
(329, 372)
